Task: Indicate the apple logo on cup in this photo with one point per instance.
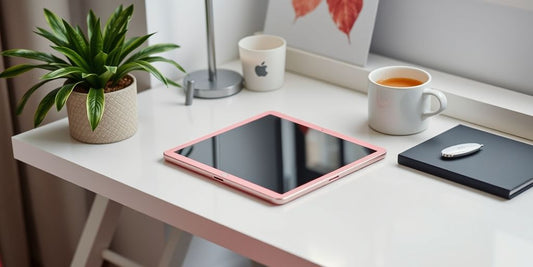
(260, 70)
(263, 61)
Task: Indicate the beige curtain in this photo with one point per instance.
(41, 216)
(13, 243)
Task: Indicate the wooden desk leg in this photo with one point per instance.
(97, 233)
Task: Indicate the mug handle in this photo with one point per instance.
(443, 101)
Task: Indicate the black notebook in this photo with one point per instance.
(502, 167)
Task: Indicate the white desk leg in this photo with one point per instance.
(98, 232)
(176, 248)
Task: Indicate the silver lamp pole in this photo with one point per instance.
(213, 83)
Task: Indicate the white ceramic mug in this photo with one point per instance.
(263, 61)
(401, 110)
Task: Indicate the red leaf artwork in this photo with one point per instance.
(344, 13)
(303, 7)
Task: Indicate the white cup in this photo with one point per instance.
(263, 61)
(401, 110)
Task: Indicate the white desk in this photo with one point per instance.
(383, 215)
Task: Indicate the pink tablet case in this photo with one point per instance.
(375, 153)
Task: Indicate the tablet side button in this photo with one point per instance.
(218, 178)
(334, 178)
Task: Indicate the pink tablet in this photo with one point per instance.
(275, 157)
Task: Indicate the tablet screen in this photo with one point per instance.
(275, 153)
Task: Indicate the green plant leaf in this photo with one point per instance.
(57, 40)
(104, 77)
(151, 69)
(86, 75)
(31, 54)
(132, 44)
(118, 39)
(63, 94)
(116, 27)
(59, 65)
(95, 106)
(162, 59)
(63, 73)
(19, 69)
(111, 21)
(75, 58)
(44, 106)
(173, 83)
(150, 50)
(55, 23)
(76, 40)
(99, 62)
(127, 68)
(26, 96)
(92, 24)
(114, 55)
(83, 39)
(96, 41)
(112, 69)
(119, 20)
(92, 79)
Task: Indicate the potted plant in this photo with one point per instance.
(99, 91)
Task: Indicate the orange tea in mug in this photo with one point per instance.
(400, 82)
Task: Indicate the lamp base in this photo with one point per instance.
(227, 83)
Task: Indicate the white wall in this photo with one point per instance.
(485, 40)
(183, 22)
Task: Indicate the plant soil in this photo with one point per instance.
(121, 84)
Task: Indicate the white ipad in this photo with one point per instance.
(275, 157)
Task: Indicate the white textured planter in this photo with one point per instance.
(119, 121)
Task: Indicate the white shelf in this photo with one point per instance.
(475, 102)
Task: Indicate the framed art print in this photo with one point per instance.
(338, 29)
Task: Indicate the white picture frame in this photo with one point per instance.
(323, 26)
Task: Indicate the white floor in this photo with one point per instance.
(201, 252)
(204, 253)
